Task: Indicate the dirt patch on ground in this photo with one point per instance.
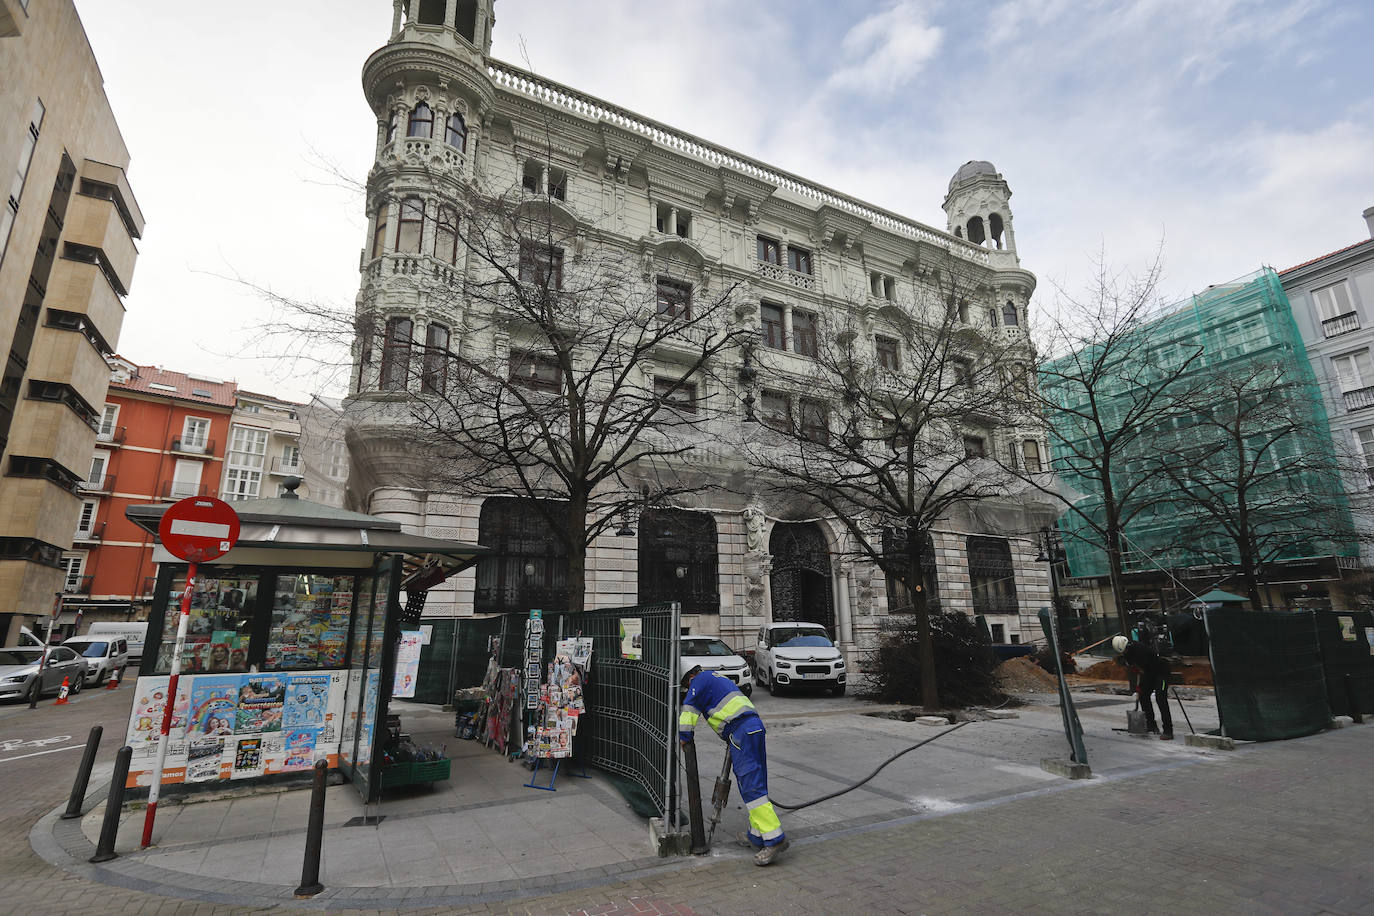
(1021, 675)
(1192, 673)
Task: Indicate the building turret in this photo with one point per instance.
(979, 211)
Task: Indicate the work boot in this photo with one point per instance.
(769, 854)
(742, 838)
(1167, 736)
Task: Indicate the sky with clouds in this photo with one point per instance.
(1236, 133)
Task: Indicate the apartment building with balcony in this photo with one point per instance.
(686, 219)
(161, 437)
(68, 229)
(1332, 298)
(264, 447)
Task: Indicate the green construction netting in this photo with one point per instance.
(1267, 668)
(1347, 644)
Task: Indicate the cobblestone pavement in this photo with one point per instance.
(1274, 828)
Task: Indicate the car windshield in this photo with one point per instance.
(16, 657)
(795, 638)
(88, 649)
(705, 647)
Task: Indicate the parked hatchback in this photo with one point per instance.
(19, 674)
(101, 655)
(795, 653)
(714, 655)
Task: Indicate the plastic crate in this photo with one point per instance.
(408, 774)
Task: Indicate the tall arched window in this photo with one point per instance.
(1030, 451)
(528, 563)
(396, 354)
(410, 228)
(992, 575)
(379, 234)
(446, 235)
(1009, 314)
(457, 134)
(421, 122)
(678, 558)
(434, 372)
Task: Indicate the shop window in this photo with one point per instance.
(991, 575)
(528, 563)
(776, 411)
(888, 353)
(446, 235)
(421, 122)
(774, 333)
(678, 560)
(899, 600)
(456, 134)
(677, 395)
(541, 265)
(769, 250)
(799, 259)
(434, 373)
(533, 370)
(310, 618)
(219, 631)
(674, 298)
(411, 226)
(804, 332)
(396, 354)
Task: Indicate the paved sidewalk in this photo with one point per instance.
(482, 838)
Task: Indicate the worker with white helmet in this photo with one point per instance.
(1153, 679)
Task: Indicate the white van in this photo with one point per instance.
(133, 633)
(102, 655)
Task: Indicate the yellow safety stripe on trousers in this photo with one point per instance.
(688, 717)
(763, 819)
(730, 709)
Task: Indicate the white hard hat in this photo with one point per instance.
(1119, 643)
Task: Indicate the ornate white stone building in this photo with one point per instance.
(449, 114)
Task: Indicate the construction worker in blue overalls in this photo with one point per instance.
(735, 719)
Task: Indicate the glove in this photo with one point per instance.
(684, 737)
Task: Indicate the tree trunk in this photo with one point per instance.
(577, 552)
(930, 692)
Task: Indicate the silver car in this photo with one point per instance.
(19, 672)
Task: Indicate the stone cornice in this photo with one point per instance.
(410, 62)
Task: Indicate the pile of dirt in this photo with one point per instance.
(1021, 675)
(1193, 673)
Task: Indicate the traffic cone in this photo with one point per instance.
(113, 682)
(62, 691)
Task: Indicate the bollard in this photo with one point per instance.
(1352, 701)
(83, 774)
(697, 825)
(314, 834)
(114, 805)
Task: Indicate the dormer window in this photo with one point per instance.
(457, 133)
(421, 122)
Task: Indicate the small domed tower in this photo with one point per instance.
(979, 211)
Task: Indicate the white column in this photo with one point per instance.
(787, 326)
(767, 566)
(844, 620)
(396, 17)
(672, 221)
(450, 13)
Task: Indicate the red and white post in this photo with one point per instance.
(164, 739)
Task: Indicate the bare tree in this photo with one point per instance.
(575, 371)
(891, 427)
(1105, 384)
(1252, 474)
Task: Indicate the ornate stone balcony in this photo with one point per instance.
(785, 275)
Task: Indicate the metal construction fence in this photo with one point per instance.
(1347, 645)
(1268, 673)
(630, 728)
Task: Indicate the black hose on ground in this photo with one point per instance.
(815, 801)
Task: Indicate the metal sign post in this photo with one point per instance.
(196, 530)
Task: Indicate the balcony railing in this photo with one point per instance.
(112, 436)
(193, 446)
(1360, 398)
(180, 489)
(785, 275)
(81, 585)
(94, 533)
(103, 484)
(1341, 324)
(285, 467)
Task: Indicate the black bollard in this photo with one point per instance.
(1352, 701)
(314, 834)
(698, 826)
(114, 805)
(83, 774)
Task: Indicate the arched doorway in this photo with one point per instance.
(801, 574)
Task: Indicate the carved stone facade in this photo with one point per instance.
(676, 206)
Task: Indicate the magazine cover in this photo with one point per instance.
(248, 758)
(307, 700)
(145, 722)
(299, 753)
(214, 701)
(203, 759)
(260, 701)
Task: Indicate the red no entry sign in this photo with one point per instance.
(199, 529)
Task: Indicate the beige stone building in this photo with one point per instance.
(690, 217)
(68, 225)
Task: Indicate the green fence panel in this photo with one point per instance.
(1267, 668)
(1347, 644)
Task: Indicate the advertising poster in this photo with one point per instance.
(203, 758)
(1347, 624)
(631, 637)
(145, 721)
(307, 700)
(260, 701)
(248, 759)
(299, 748)
(214, 701)
(407, 665)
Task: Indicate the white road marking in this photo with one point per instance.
(71, 747)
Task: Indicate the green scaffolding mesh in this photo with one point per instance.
(1267, 668)
(1245, 322)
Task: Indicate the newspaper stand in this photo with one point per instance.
(291, 648)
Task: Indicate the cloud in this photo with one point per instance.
(886, 51)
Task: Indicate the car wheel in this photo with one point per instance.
(774, 688)
(78, 683)
(837, 690)
(747, 689)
